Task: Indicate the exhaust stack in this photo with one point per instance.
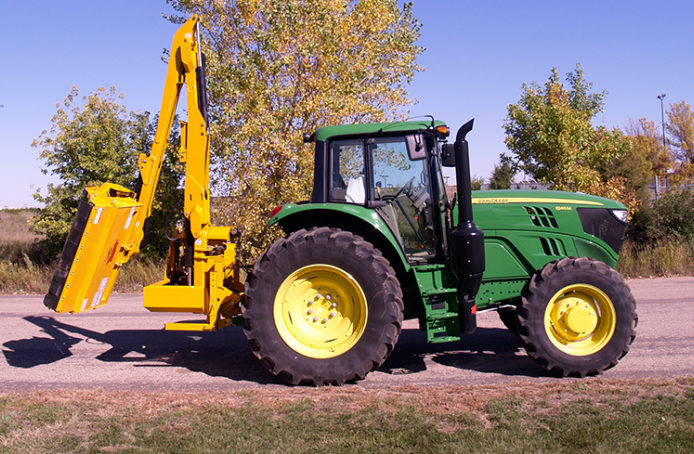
(467, 239)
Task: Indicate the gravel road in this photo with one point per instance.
(122, 346)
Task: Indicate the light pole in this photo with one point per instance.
(662, 122)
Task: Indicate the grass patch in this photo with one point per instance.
(581, 416)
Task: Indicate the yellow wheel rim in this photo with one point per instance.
(580, 319)
(320, 311)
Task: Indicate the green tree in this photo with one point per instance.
(93, 140)
(550, 136)
(674, 214)
(632, 170)
(502, 175)
(277, 69)
(476, 183)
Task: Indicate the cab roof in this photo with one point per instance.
(328, 132)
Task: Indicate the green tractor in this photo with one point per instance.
(381, 241)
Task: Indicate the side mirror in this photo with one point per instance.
(448, 155)
(415, 147)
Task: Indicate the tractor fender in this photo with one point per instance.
(357, 219)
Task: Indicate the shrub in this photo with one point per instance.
(675, 213)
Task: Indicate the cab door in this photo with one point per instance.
(402, 185)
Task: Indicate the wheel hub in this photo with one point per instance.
(321, 308)
(580, 319)
(320, 311)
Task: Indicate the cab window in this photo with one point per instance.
(347, 177)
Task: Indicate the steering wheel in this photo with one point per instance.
(406, 188)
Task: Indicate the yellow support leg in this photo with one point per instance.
(201, 299)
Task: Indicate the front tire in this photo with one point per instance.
(322, 306)
(577, 317)
(509, 317)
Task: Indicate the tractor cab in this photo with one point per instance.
(393, 169)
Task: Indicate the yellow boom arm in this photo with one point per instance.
(109, 226)
(185, 68)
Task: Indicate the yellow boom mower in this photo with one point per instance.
(201, 273)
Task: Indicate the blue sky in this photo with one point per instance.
(478, 54)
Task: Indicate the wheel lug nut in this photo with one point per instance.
(332, 314)
(327, 297)
(315, 319)
(310, 302)
(325, 320)
(319, 296)
(334, 304)
(310, 311)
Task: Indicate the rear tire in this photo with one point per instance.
(322, 306)
(577, 317)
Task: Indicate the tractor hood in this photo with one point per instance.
(592, 221)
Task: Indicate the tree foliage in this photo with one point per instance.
(672, 161)
(675, 158)
(680, 132)
(502, 175)
(476, 182)
(550, 136)
(674, 214)
(646, 139)
(277, 69)
(93, 140)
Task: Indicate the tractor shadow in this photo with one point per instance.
(487, 350)
(225, 353)
(222, 353)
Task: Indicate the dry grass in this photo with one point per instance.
(18, 278)
(15, 226)
(139, 272)
(666, 258)
(20, 272)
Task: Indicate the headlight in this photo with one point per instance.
(621, 215)
(608, 225)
